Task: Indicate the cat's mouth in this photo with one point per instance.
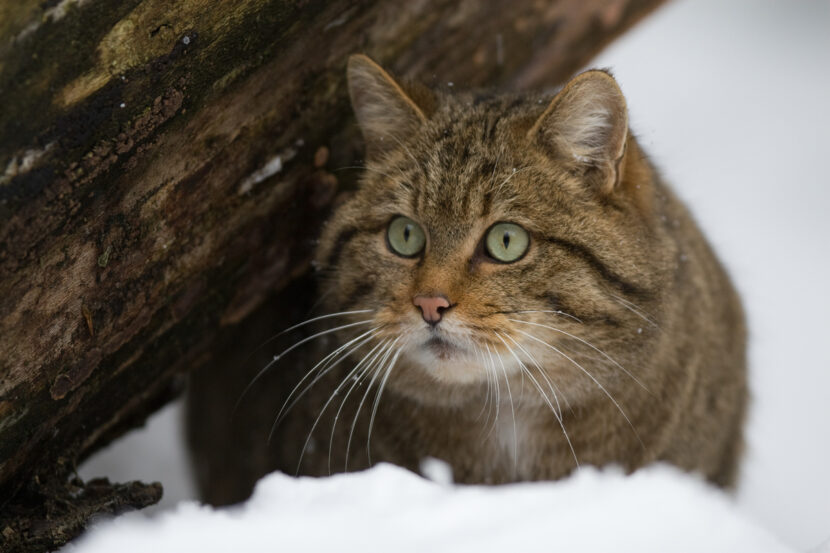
(441, 348)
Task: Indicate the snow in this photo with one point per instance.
(387, 508)
(271, 168)
(730, 99)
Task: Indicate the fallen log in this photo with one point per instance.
(164, 170)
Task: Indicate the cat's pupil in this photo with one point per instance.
(406, 231)
(506, 240)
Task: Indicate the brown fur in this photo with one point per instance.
(638, 298)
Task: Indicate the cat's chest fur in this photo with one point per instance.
(502, 440)
(486, 448)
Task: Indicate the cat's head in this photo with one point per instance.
(493, 235)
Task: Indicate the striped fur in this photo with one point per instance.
(619, 335)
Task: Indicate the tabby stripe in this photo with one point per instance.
(486, 204)
(465, 154)
(591, 259)
(416, 199)
(358, 294)
(489, 129)
(555, 302)
(343, 238)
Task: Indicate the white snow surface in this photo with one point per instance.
(387, 508)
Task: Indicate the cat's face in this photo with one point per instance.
(490, 237)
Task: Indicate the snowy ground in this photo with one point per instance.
(657, 510)
(732, 100)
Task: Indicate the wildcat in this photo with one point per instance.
(525, 292)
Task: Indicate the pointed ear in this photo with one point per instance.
(385, 112)
(587, 122)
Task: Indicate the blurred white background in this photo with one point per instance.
(732, 101)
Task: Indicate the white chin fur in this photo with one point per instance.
(457, 362)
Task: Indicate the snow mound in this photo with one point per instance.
(657, 509)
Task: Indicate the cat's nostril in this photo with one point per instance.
(432, 307)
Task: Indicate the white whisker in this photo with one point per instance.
(325, 367)
(375, 374)
(553, 388)
(558, 392)
(357, 379)
(532, 378)
(590, 345)
(637, 310)
(322, 317)
(513, 174)
(558, 418)
(377, 403)
(286, 352)
(513, 414)
(487, 399)
(307, 321)
(336, 391)
(498, 389)
(554, 311)
(601, 387)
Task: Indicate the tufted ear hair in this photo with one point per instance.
(386, 112)
(587, 123)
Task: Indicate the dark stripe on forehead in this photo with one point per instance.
(415, 199)
(465, 198)
(486, 203)
(589, 257)
(489, 129)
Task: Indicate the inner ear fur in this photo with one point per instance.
(587, 123)
(387, 111)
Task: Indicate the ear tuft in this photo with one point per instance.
(385, 112)
(587, 122)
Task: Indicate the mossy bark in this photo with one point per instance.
(165, 168)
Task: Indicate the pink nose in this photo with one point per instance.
(432, 307)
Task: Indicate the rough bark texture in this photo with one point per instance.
(164, 169)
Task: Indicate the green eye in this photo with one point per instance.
(506, 242)
(405, 237)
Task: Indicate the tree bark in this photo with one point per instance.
(164, 170)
